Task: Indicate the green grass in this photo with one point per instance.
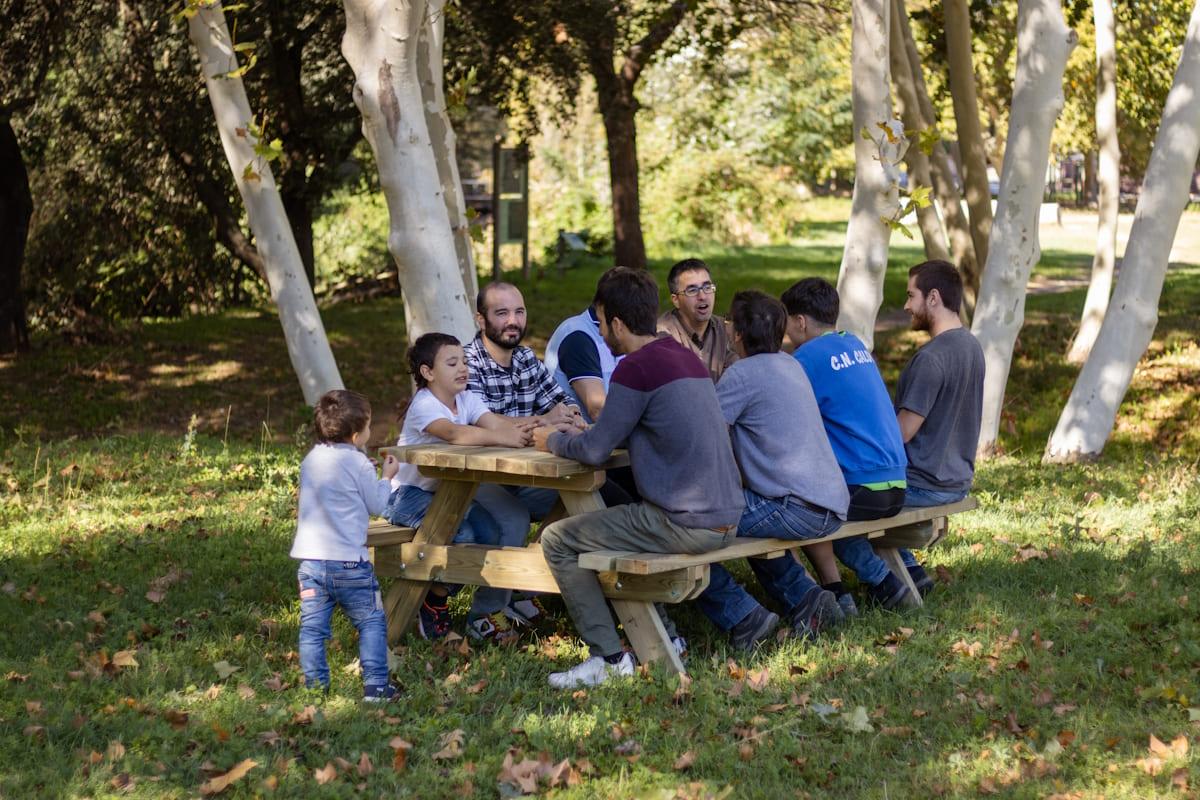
(1065, 632)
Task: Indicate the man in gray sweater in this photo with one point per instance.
(662, 405)
(792, 484)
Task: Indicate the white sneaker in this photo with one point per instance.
(591, 672)
(680, 645)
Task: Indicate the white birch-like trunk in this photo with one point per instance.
(1091, 411)
(1109, 180)
(381, 44)
(308, 347)
(932, 234)
(430, 65)
(1044, 43)
(876, 197)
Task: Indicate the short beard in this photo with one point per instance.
(495, 336)
(922, 322)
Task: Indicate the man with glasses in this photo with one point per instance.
(691, 322)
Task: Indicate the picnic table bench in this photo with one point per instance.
(633, 582)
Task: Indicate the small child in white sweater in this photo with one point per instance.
(339, 490)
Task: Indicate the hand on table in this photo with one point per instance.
(390, 466)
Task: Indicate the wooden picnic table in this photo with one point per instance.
(632, 582)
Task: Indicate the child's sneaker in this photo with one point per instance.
(817, 613)
(752, 631)
(433, 622)
(526, 611)
(681, 646)
(494, 628)
(380, 694)
(845, 601)
(921, 579)
(592, 672)
(890, 594)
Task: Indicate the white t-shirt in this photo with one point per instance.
(424, 410)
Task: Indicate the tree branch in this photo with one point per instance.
(639, 55)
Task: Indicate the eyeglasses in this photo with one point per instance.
(692, 291)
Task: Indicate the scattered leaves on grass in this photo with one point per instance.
(220, 783)
(115, 751)
(685, 761)
(451, 744)
(401, 749)
(523, 777)
(124, 659)
(856, 721)
(758, 681)
(122, 782)
(365, 767)
(245, 691)
(684, 691)
(971, 650)
(305, 716)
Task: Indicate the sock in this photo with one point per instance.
(436, 600)
(615, 658)
(837, 587)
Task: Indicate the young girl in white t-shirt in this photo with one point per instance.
(443, 410)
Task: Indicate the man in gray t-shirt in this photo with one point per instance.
(939, 399)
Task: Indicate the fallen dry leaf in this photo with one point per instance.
(685, 761)
(452, 745)
(156, 596)
(365, 767)
(245, 691)
(115, 751)
(124, 658)
(326, 773)
(220, 783)
(758, 680)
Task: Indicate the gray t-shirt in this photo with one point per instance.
(778, 436)
(944, 384)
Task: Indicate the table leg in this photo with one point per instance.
(441, 522)
(580, 502)
(895, 562)
(646, 633)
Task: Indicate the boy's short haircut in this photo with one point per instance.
(340, 414)
(608, 273)
(687, 265)
(940, 275)
(759, 319)
(485, 290)
(632, 296)
(813, 297)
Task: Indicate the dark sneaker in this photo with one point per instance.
(527, 611)
(433, 622)
(817, 613)
(380, 694)
(493, 628)
(845, 602)
(890, 594)
(921, 579)
(753, 630)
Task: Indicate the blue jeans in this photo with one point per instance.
(513, 508)
(857, 553)
(408, 505)
(351, 585)
(725, 602)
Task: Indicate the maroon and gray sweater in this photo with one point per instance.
(661, 403)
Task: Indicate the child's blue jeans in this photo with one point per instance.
(351, 585)
(408, 504)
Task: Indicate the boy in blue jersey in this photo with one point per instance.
(862, 429)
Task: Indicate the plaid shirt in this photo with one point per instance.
(524, 390)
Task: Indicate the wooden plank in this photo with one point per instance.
(891, 556)
(583, 502)
(746, 547)
(380, 533)
(645, 631)
(441, 522)
(524, 568)
(580, 482)
(508, 460)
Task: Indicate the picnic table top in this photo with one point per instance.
(504, 460)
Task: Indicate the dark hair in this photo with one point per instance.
(759, 319)
(940, 275)
(813, 297)
(632, 296)
(423, 352)
(481, 298)
(687, 265)
(340, 414)
(608, 273)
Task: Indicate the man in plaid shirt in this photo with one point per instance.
(513, 382)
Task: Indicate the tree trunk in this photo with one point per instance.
(303, 331)
(864, 260)
(932, 234)
(381, 45)
(1044, 43)
(300, 217)
(441, 135)
(16, 207)
(966, 117)
(618, 108)
(962, 248)
(1091, 411)
(1110, 183)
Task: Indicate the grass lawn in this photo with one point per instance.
(151, 619)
